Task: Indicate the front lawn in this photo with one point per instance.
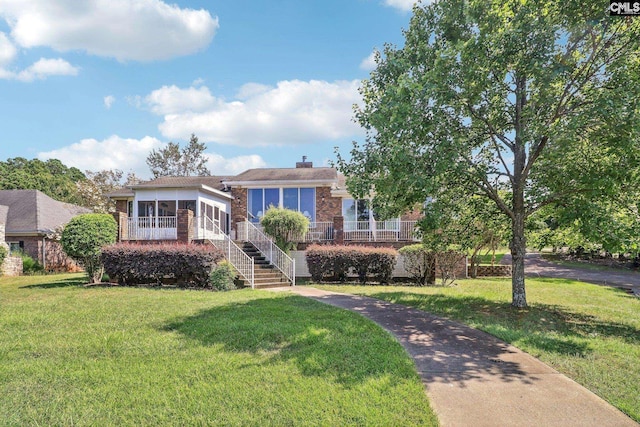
(590, 333)
(74, 355)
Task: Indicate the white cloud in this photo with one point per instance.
(112, 153)
(7, 50)
(403, 5)
(44, 68)
(294, 112)
(369, 63)
(108, 101)
(172, 99)
(141, 30)
(218, 165)
(130, 154)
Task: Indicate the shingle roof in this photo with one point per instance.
(286, 174)
(31, 211)
(183, 181)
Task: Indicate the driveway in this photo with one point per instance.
(536, 266)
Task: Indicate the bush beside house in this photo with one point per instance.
(83, 238)
(336, 262)
(285, 226)
(189, 266)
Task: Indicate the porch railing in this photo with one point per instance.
(206, 228)
(248, 232)
(242, 262)
(151, 228)
(380, 231)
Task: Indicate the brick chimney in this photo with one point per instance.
(304, 163)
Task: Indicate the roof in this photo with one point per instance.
(284, 175)
(31, 211)
(214, 182)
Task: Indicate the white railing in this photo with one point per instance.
(392, 230)
(319, 232)
(242, 262)
(151, 228)
(205, 228)
(250, 233)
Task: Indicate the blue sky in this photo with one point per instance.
(99, 83)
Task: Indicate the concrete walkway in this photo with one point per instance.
(536, 266)
(474, 379)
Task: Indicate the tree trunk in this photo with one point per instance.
(518, 251)
(518, 244)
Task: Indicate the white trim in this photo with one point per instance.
(282, 183)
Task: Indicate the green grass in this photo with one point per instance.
(75, 355)
(485, 258)
(590, 333)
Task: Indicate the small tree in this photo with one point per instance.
(286, 226)
(83, 239)
(419, 263)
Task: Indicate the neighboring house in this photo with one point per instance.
(30, 220)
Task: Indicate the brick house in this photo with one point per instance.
(226, 211)
(30, 219)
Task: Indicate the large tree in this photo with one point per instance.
(51, 177)
(171, 161)
(536, 100)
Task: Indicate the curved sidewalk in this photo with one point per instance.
(536, 266)
(474, 379)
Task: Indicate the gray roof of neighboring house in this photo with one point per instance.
(31, 211)
(286, 174)
(4, 210)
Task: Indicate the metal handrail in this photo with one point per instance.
(242, 262)
(283, 262)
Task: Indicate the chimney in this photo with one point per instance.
(304, 163)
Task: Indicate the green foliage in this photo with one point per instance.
(92, 191)
(83, 239)
(285, 226)
(528, 104)
(51, 177)
(185, 265)
(336, 262)
(29, 265)
(3, 254)
(419, 263)
(223, 276)
(171, 161)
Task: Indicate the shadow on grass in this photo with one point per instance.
(551, 328)
(60, 283)
(321, 340)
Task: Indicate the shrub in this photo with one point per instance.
(336, 262)
(29, 265)
(446, 263)
(83, 238)
(186, 265)
(285, 226)
(222, 277)
(3, 255)
(419, 263)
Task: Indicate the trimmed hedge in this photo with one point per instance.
(186, 265)
(336, 262)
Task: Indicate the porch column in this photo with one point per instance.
(338, 230)
(185, 225)
(121, 220)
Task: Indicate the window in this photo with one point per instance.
(187, 204)
(259, 200)
(255, 204)
(167, 208)
(15, 247)
(146, 208)
(355, 210)
(358, 215)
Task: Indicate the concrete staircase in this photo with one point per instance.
(265, 274)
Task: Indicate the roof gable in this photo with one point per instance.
(31, 211)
